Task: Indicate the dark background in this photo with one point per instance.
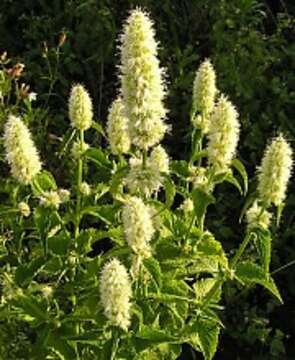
(251, 44)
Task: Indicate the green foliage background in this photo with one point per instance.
(250, 45)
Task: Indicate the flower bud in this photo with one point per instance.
(143, 88)
(79, 148)
(85, 188)
(50, 199)
(80, 108)
(275, 172)
(115, 294)
(257, 217)
(223, 135)
(21, 153)
(24, 209)
(117, 128)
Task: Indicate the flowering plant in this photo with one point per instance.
(116, 266)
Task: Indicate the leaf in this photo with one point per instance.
(180, 167)
(250, 273)
(44, 181)
(106, 213)
(155, 335)
(170, 192)
(153, 267)
(232, 180)
(201, 201)
(263, 244)
(202, 288)
(59, 243)
(32, 307)
(98, 157)
(98, 127)
(212, 248)
(207, 333)
(238, 165)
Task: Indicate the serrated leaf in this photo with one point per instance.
(98, 157)
(212, 248)
(201, 201)
(208, 337)
(170, 192)
(238, 165)
(44, 181)
(263, 244)
(202, 288)
(98, 127)
(153, 267)
(155, 335)
(250, 273)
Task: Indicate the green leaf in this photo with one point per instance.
(209, 247)
(153, 267)
(201, 201)
(170, 192)
(44, 181)
(59, 243)
(98, 127)
(238, 165)
(232, 180)
(98, 157)
(32, 307)
(263, 244)
(207, 335)
(155, 335)
(202, 288)
(250, 273)
(180, 167)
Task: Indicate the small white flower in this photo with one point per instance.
(32, 96)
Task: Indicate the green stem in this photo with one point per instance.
(115, 347)
(241, 249)
(79, 182)
(283, 267)
(144, 159)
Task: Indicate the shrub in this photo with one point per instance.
(162, 276)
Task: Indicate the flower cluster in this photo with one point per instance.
(275, 171)
(80, 108)
(204, 92)
(143, 88)
(138, 226)
(115, 294)
(256, 216)
(21, 153)
(223, 135)
(117, 128)
(147, 178)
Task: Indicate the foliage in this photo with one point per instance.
(250, 47)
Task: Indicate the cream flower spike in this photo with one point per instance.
(138, 226)
(21, 153)
(204, 92)
(159, 160)
(80, 108)
(256, 216)
(142, 81)
(115, 293)
(275, 172)
(117, 128)
(223, 135)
